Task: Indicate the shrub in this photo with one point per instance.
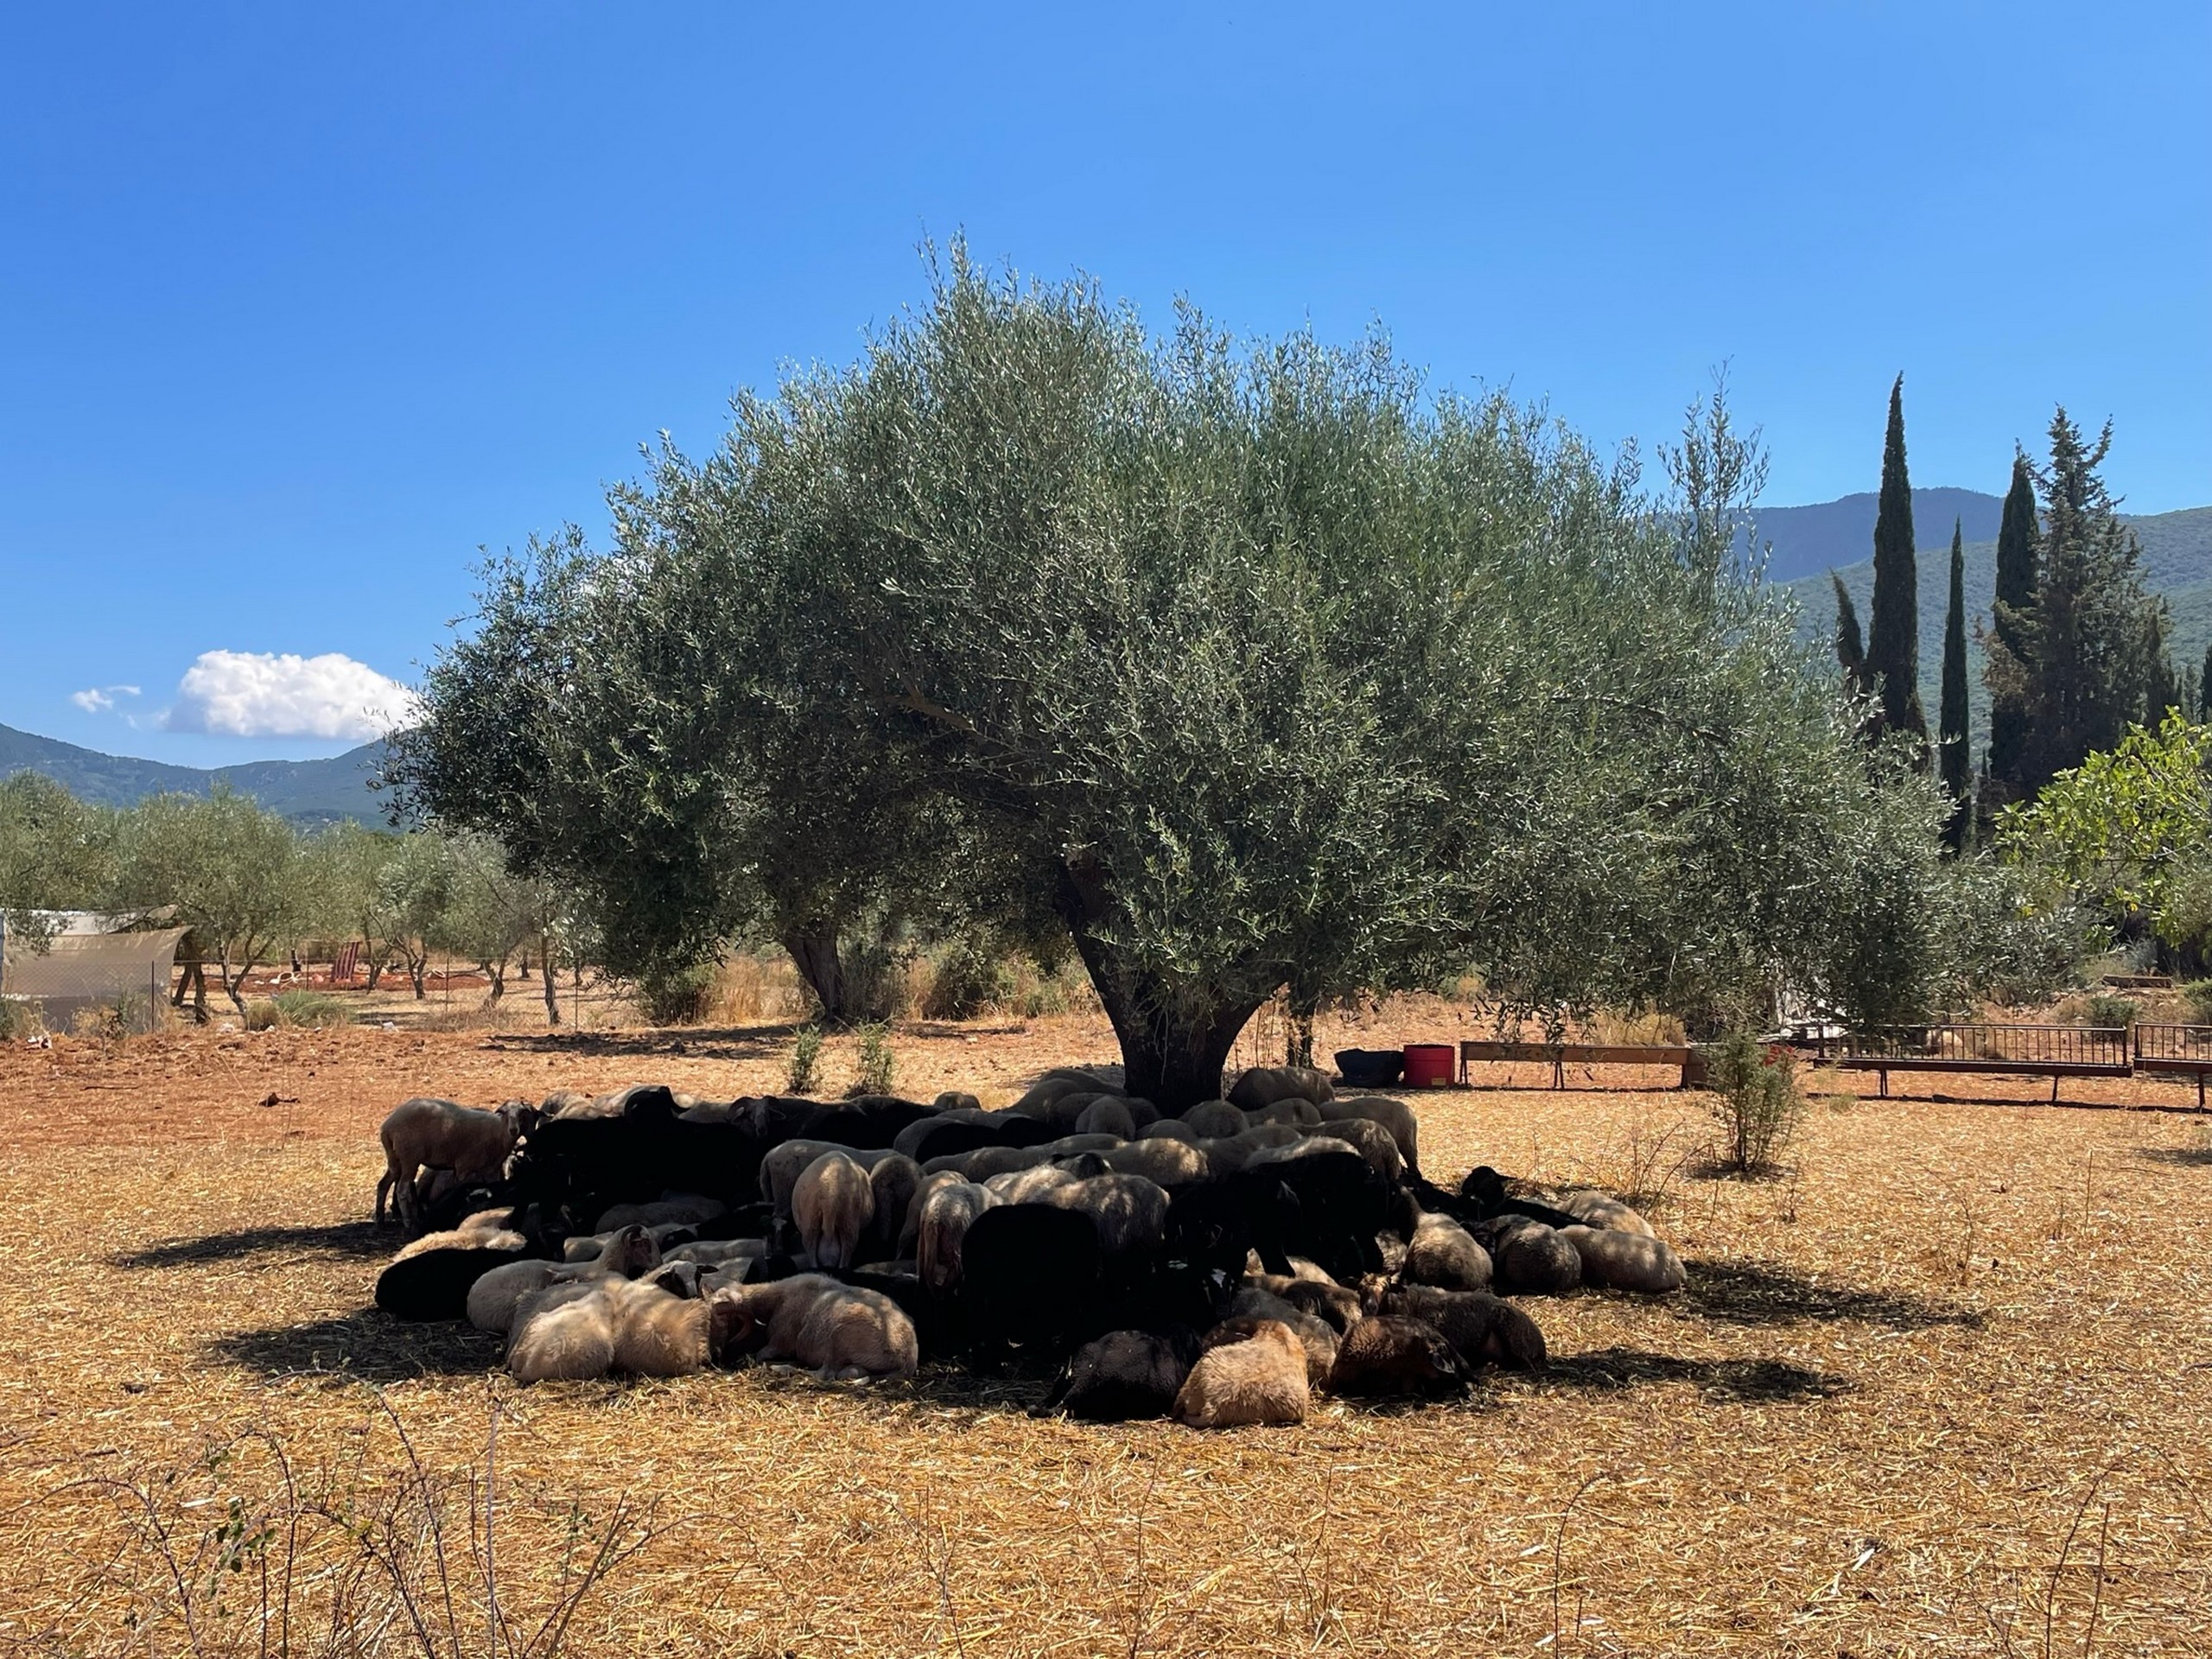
(19, 1021)
(969, 978)
(1757, 1101)
(806, 1059)
(677, 996)
(877, 1063)
(264, 1015)
(2111, 1011)
(312, 1008)
(2197, 994)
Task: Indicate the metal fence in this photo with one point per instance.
(2102, 1046)
(2187, 1045)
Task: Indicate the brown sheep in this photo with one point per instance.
(657, 1334)
(1484, 1329)
(1259, 1379)
(1393, 1355)
(1129, 1211)
(1167, 1161)
(424, 1134)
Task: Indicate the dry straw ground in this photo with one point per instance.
(1943, 1390)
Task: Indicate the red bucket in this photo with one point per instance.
(1428, 1066)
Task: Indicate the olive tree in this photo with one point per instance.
(1256, 667)
(233, 871)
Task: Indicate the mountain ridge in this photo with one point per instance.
(309, 792)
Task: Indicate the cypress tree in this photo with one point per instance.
(1893, 635)
(2091, 656)
(1851, 647)
(1953, 713)
(2017, 579)
(2204, 687)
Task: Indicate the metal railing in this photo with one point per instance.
(2154, 1043)
(1999, 1045)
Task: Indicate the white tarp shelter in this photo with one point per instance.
(93, 962)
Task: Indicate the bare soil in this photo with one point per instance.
(1942, 1387)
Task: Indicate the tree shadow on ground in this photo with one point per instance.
(369, 1346)
(1608, 1370)
(2181, 1157)
(693, 1042)
(1765, 1293)
(362, 1238)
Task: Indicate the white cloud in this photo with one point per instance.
(100, 699)
(261, 694)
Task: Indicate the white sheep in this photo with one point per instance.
(894, 1181)
(837, 1331)
(782, 1166)
(1263, 1086)
(1595, 1209)
(1107, 1115)
(1129, 1211)
(564, 1330)
(1215, 1120)
(1393, 1114)
(947, 1212)
(1317, 1337)
(425, 1133)
(657, 1334)
(833, 1203)
(1169, 1162)
(495, 1298)
(1444, 1253)
(910, 1228)
(1260, 1378)
(1625, 1260)
(1372, 1141)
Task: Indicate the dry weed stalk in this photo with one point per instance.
(319, 1568)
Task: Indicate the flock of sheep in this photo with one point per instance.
(1218, 1267)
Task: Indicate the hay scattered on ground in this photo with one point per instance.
(1903, 1372)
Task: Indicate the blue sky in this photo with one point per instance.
(300, 306)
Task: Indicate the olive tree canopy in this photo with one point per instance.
(1254, 666)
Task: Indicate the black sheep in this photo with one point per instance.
(1029, 1282)
(868, 1124)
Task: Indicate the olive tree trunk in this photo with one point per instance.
(814, 952)
(1174, 1043)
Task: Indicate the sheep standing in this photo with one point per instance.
(1258, 1379)
(425, 1133)
(947, 1213)
(833, 1203)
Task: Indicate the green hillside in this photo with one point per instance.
(308, 792)
(2177, 563)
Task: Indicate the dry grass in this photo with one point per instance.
(1941, 1391)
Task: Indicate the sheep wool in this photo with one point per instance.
(833, 1203)
(1625, 1260)
(1258, 1379)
